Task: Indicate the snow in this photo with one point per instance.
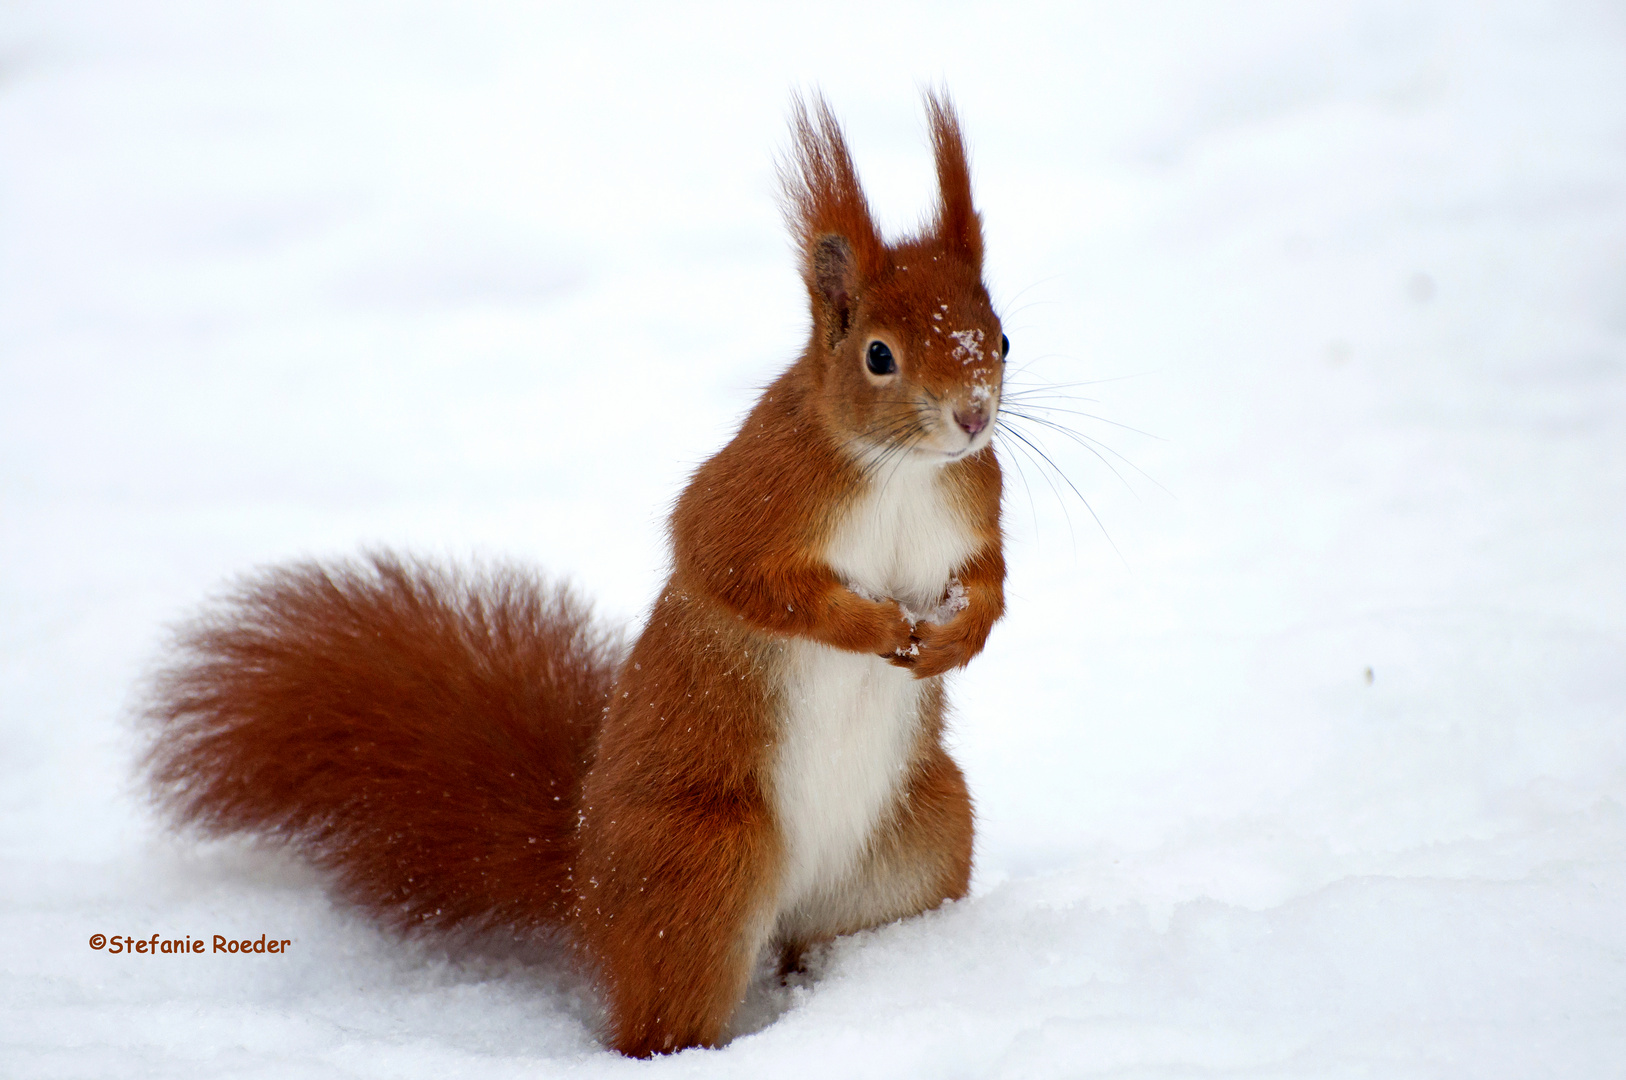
(1309, 760)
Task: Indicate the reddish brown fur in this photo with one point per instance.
(421, 735)
(433, 741)
(688, 739)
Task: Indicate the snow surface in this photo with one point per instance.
(1315, 768)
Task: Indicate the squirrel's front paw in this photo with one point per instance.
(905, 656)
(896, 634)
(939, 647)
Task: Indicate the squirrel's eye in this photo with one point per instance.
(879, 361)
(1004, 347)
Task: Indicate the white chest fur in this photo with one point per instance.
(851, 721)
(905, 538)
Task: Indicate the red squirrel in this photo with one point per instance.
(764, 768)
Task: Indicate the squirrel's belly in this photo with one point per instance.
(850, 722)
(849, 725)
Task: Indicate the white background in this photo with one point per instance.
(489, 280)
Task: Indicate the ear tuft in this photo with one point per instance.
(958, 225)
(829, 216)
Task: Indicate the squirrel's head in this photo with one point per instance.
(906, 352)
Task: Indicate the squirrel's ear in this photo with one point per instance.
(835, 281)
(958, 224)
(829, 216)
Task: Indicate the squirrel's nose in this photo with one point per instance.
(972, 420)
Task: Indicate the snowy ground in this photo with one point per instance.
(1316, 768)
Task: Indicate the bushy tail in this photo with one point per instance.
(420, 734)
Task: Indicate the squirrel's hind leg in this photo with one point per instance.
(679, 860)
(676, 949)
